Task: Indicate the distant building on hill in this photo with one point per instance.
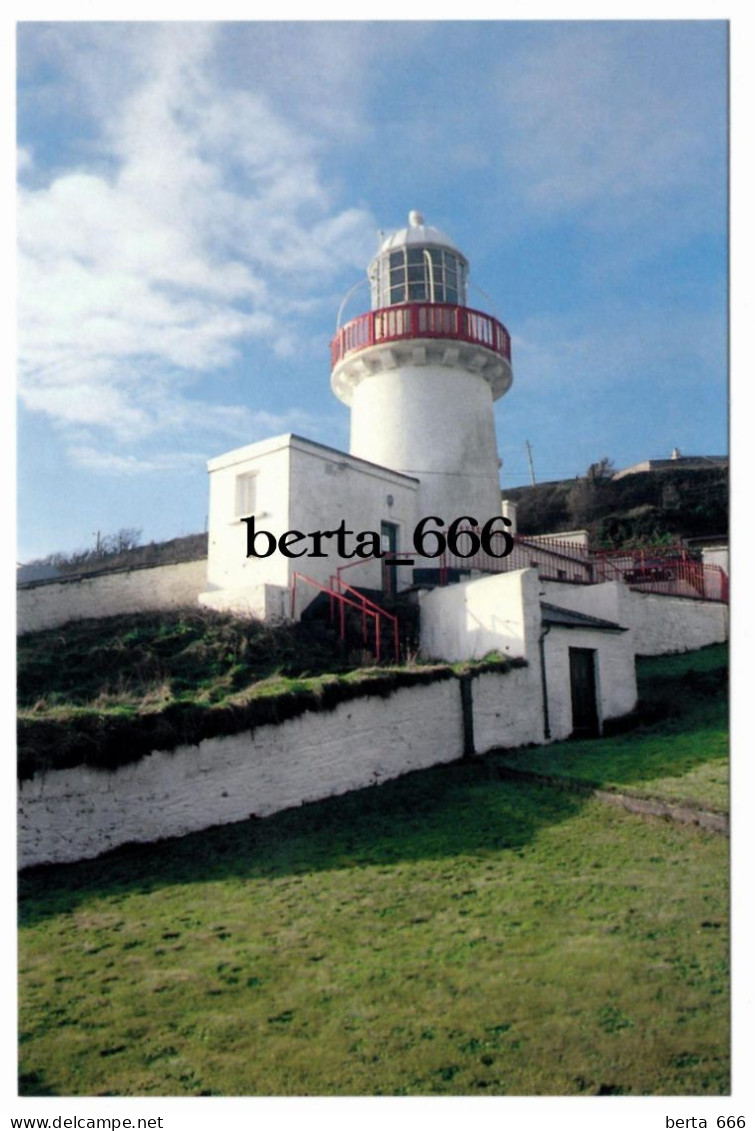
(676, 462)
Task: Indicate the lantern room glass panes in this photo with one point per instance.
(419, 274)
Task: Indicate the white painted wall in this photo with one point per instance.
(572, 537)
(503, 613)
(605, 600)
(657, 624)
(675, 624)
(509, 511)
(508, 714)
(716, 577)
(717, 556)
(466, 621)
(328, 486)
(434, 422)
(79, 813)
(49, 604)
(305, 487)
(228, 566)
(266, 602)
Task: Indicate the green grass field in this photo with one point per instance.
(450, 933)
(685, 757)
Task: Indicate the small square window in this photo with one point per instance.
(246, 494)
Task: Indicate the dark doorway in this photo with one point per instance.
(584, 699)
(389, 545)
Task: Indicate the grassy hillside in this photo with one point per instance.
(649, 508)
(449, 933)
(136, 660)
(106, 692)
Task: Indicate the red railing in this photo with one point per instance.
(663, 569)
(367, 607)
(421, 320)
(555, 560)
(669, 571)
(355, 600)
(672, 571)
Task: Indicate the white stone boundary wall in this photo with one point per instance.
(509, 714)
(675, 624)
(49, 604)
(78, 813)
(657, 623)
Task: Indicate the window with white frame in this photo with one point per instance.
(246, 494)
(419, 274)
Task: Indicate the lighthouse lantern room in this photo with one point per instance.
(420, 372)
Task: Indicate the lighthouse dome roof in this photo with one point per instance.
(418, 234)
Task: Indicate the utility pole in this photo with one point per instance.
(529, 460)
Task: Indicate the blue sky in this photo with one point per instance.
(197, 198)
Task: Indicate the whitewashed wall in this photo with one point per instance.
(604, 601)
(466, 621)
(657, 624)
(508, 714)
(675, 624)
(327, 486)
(433, 421)
(717, 556)
(503, 613)
(228, 566)
(301, 486)
(49, 604)
(266, 602)
(79, 813)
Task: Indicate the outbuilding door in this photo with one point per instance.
(584, 699)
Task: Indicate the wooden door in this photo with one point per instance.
(584, 699)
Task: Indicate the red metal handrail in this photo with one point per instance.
(344, 601)
(368, 604)
(421, 320)
(364, 605)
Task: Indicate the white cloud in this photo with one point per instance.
(200, 232)
(111, 463)
(176, 417)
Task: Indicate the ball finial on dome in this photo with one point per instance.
(416, 219)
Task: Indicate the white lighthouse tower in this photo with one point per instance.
(420, 372)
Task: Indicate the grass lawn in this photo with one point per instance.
(450, 933)
(683, 756)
